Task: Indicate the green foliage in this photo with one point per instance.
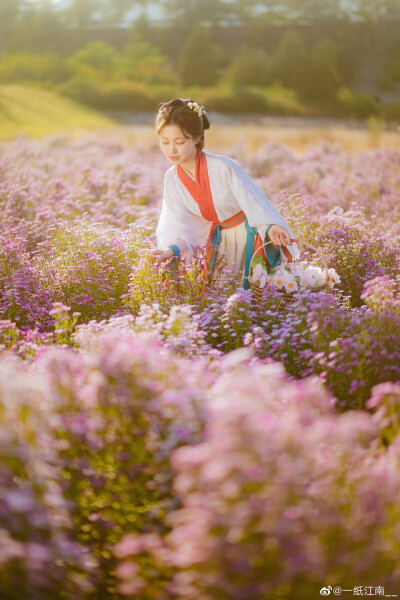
(130, 95)
(142, 61)
(390, 77)
(106, 474)
(281, 100)
(354, 364)
(320, 65)
(116, 95)
(199, 59)
(9, 14)
(39, 32)
(80, 12)
(48, 69)
(290, 63)
(349, 59)
(257, 260)
(9, 334)
(99, 57)
(90, 268)
(324, 79)
(139, 61)
(385, 402)
(123, 95)
(150, 284)
(35, 515)
(64, 324)
(351, 104)
(313, 73)
(250, 67)
(246, 99)
(392, 111)
(175, 283)
(114, 427)
(190, 14)
(107, 80)
(375, 126)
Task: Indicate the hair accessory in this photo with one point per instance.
(197, 108)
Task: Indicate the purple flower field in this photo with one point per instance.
(165, 440)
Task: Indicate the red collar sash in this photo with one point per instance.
(200, 189)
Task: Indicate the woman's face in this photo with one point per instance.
(176, 146)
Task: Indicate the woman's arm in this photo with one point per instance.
(177, 225)
(173, 224)
(259, 210)
(168, 253)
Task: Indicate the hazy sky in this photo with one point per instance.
(155, 12)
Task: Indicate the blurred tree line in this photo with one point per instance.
(291, 57)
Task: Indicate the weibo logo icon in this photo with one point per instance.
(325, 591)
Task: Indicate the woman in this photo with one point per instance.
(208, 198)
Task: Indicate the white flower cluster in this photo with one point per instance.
(197, 108)
(294, 276)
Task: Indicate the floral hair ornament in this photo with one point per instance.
(196, 107)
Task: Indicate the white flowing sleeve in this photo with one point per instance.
(176, 222)
(259, 210)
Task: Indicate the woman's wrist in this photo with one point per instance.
(175, 249)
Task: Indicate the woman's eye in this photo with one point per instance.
(165, 143)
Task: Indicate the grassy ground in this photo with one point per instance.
(299, 138)
(38, 112)
(248, 137)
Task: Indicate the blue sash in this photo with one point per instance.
(274, 256)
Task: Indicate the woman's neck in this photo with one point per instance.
(190, 172)
(190, 165)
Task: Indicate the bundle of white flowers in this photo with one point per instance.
(293, 276)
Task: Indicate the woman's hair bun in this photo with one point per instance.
(206, 122)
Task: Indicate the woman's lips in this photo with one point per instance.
(174, 157)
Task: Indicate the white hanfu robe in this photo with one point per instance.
(232, 191)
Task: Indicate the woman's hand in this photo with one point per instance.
(163, 255)
(279, 236)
